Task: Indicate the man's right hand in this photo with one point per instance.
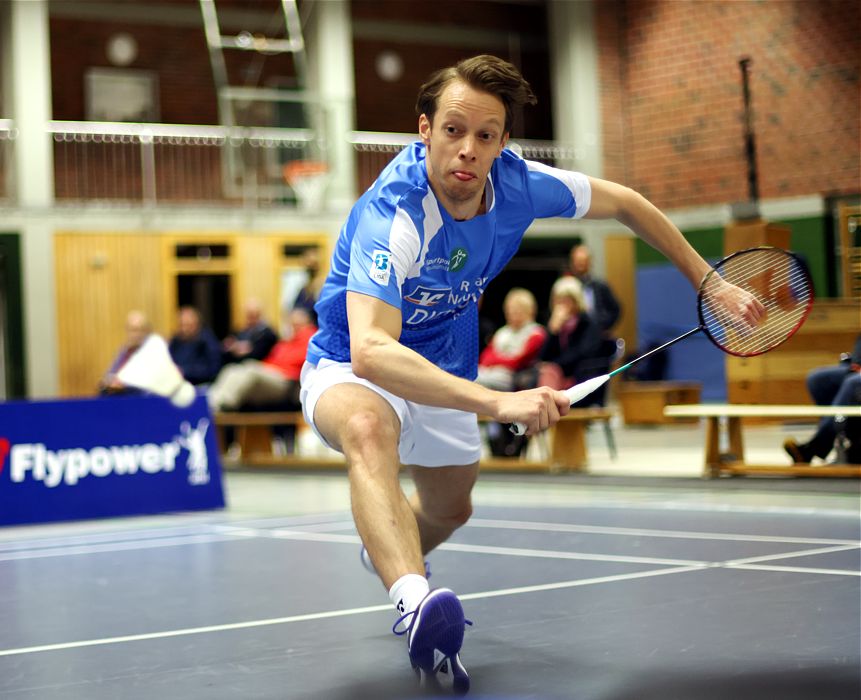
(537, 409)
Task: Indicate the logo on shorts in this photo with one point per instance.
(457, 259)
(381, 266)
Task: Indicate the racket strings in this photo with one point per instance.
(781, 284)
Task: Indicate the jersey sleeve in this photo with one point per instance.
(384, 248)
(556, 192)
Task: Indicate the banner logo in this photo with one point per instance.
(194, 441)
(4, 450)
(68, 466)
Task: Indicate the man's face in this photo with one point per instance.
(580, 261)
(136, 331)
(189, 324)
(517, 314)
(465, 138)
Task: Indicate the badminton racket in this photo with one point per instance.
(777, 278)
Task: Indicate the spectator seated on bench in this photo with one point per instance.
(837, 385)
(574, 349)
(271, 384)
(507, 359)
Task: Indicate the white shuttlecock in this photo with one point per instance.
(152, 369)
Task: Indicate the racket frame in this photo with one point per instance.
(802, 266)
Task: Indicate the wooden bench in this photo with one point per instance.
(566, 452)
(567, 444)
(643, 403)
(733, 462)
(254, 434)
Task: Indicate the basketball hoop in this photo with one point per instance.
(308, 179)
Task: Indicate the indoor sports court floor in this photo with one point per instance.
(579, 587)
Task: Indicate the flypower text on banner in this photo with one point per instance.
(105, 457)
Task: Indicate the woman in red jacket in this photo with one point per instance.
(515, 346)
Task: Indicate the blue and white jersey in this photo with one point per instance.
(400, 245)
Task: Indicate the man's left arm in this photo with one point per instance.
(613, 201)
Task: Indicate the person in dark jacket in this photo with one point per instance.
(572, 349)
(194, 348)
(254, 340)
(598, 299)
(834, 385)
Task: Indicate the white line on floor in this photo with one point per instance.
(332, 613)
(116, 547)
(791, 555)
(794, 569)
(553, 554)
(505, 551)
(640, 532)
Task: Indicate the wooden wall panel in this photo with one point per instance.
(99, 279)
(780, 376)
(621, 275)
(256, 259)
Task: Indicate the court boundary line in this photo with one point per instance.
(312, 526)
(573, 583)
(539, 526)
(556, 554)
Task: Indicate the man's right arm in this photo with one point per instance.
(377, 356)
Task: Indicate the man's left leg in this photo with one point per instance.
(442, 501)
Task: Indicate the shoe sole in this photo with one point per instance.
(459, 679)
(440, 621)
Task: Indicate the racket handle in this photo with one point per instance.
(575, 393)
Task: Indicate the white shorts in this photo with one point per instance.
(430, 436)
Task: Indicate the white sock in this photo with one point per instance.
(408, 591)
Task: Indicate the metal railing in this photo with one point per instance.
(175, 164)
(374, 150)
(184, 165)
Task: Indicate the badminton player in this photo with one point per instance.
(389, 375)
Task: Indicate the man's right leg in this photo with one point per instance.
(368, 433)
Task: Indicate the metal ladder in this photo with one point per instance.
(245, 41)
(228, 95)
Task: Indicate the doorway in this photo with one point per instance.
(210, 295)
(12, 374)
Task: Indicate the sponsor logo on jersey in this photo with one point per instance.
(428, 296)
(457, 259)
(381, 266)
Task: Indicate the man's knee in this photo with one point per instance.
(450, 515)
(369, 440)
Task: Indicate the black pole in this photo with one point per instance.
(749, 142)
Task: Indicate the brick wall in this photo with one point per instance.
(178, 55)
(672, 98)
(389, 106)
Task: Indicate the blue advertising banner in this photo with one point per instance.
(106, 457)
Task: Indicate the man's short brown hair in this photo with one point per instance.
(486, 73)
